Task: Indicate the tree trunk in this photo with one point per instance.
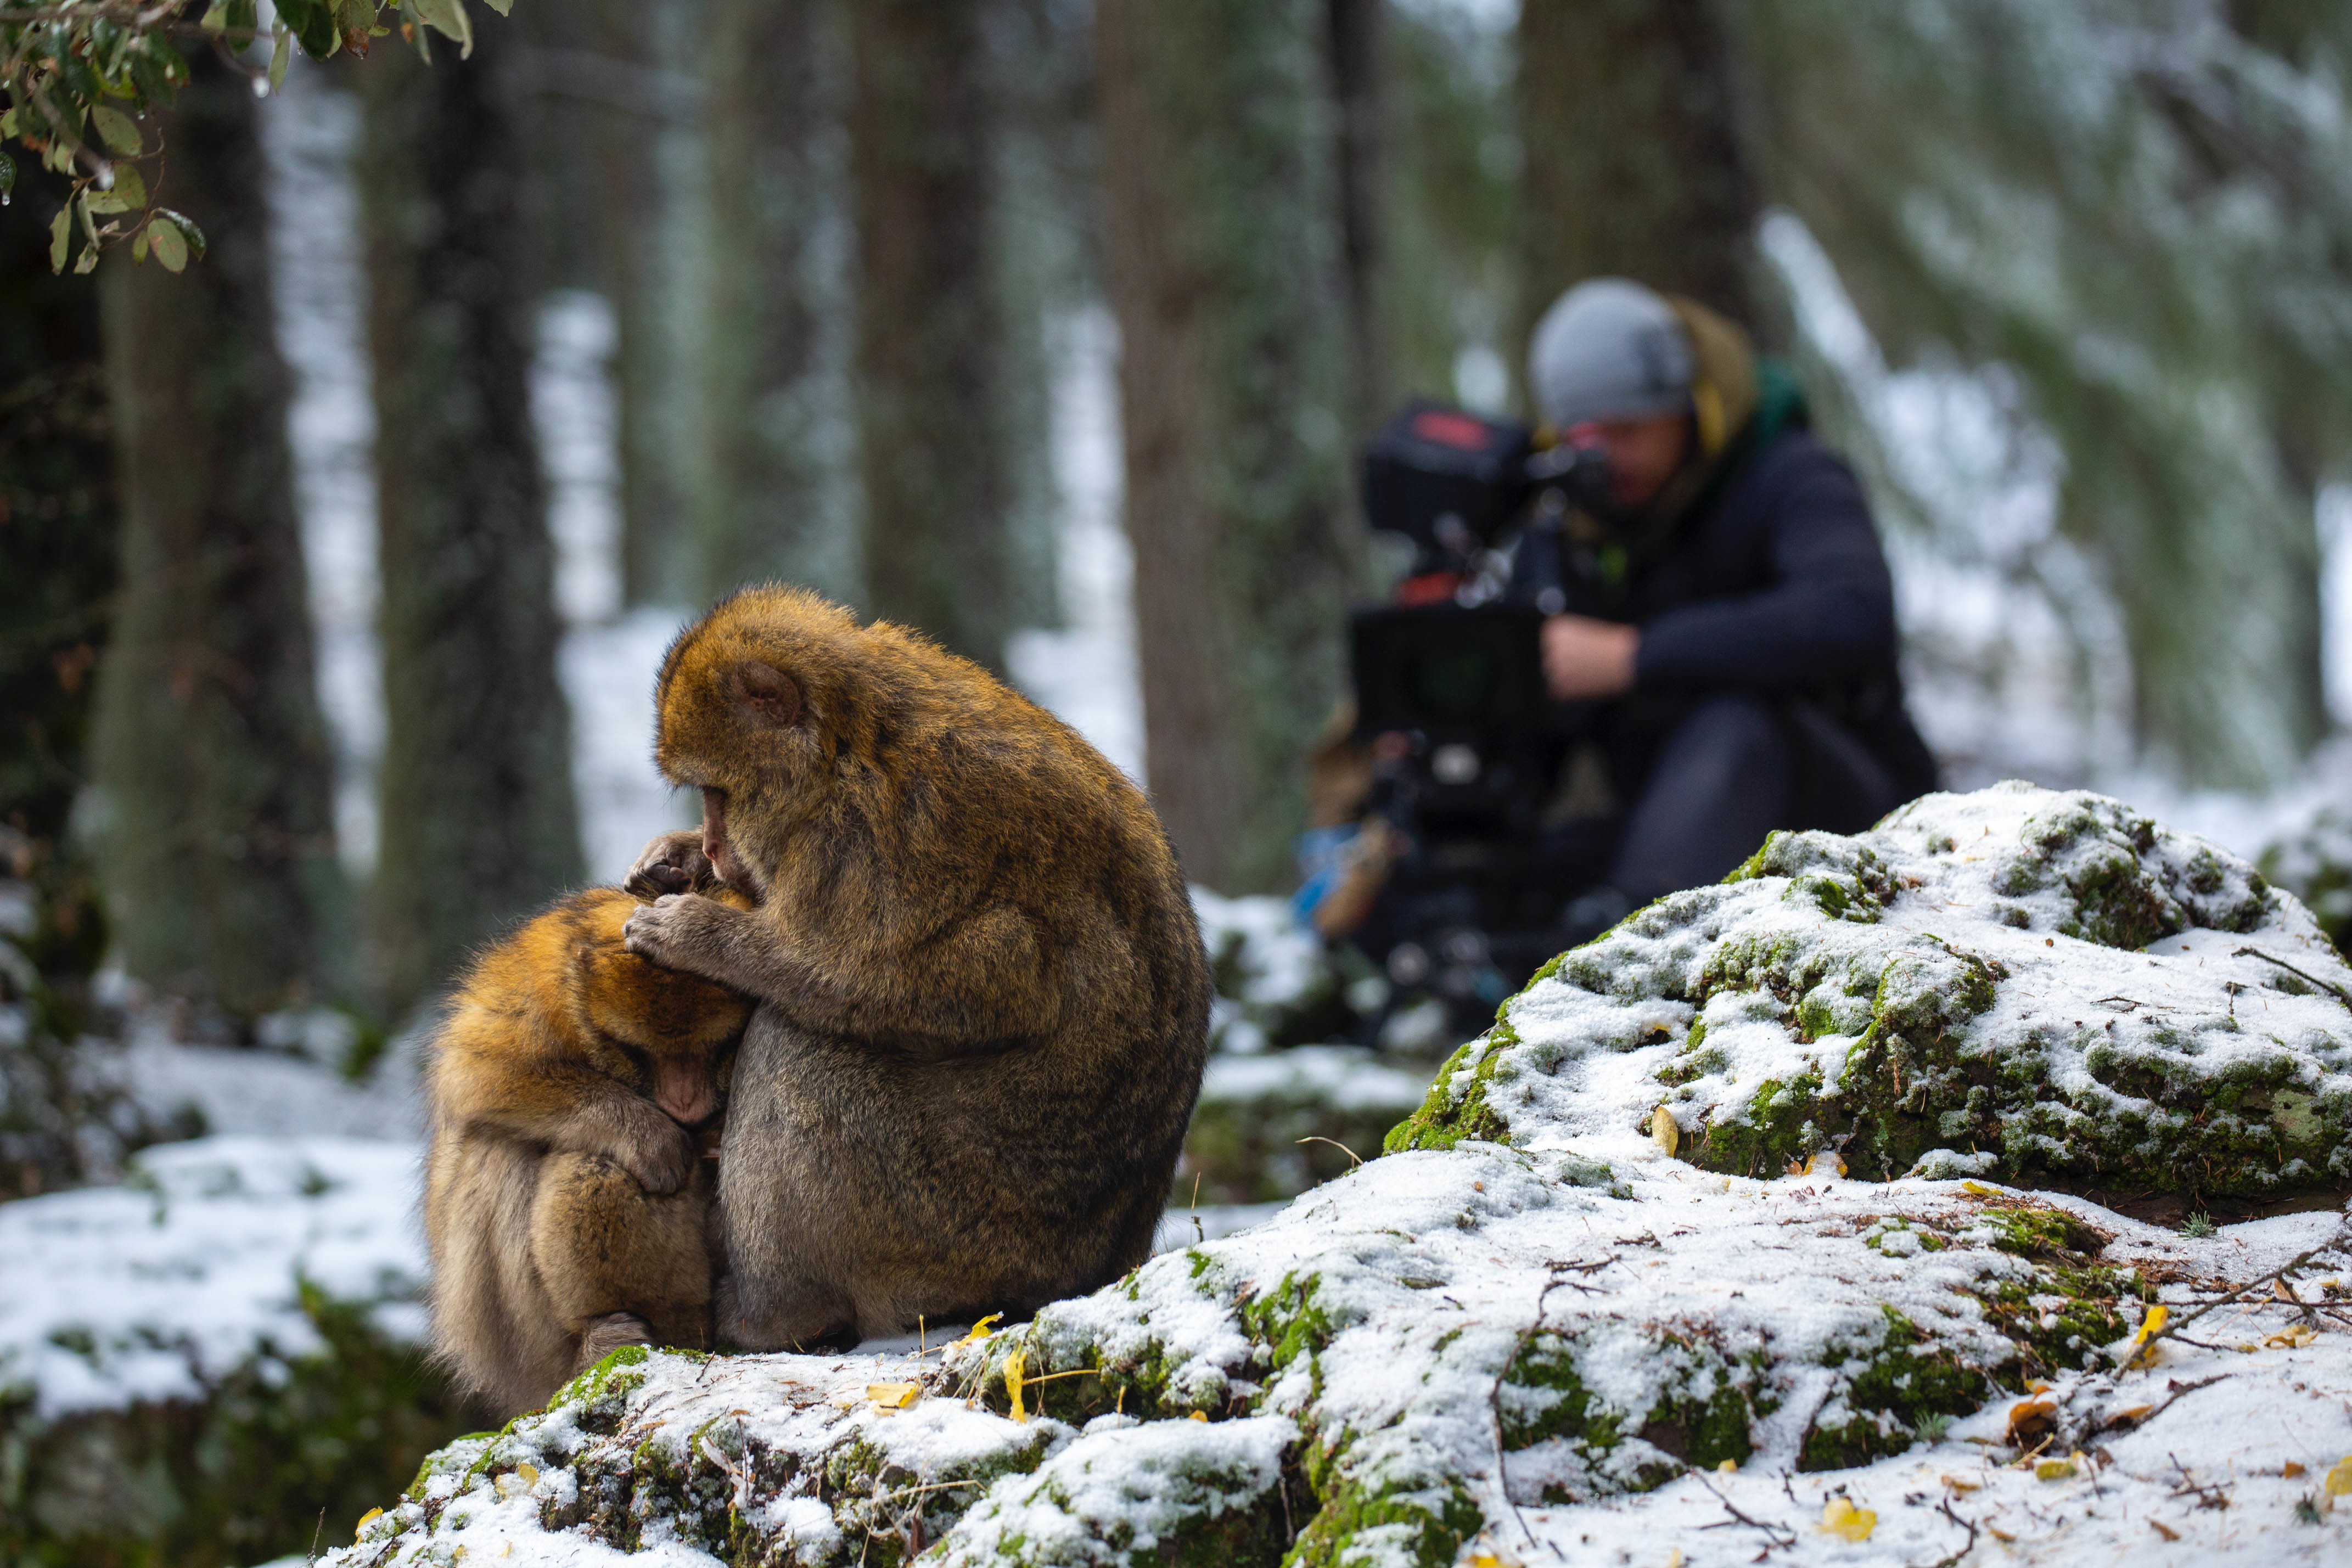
(1221, 258)
(930, 450)
(478, 821)
(1635, 165)
(1354, 34)
(218, 846)
(767, 500)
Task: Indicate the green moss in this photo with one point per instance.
(1702, 1418)
(1775, 1127)
(1456, 1110)
(2033, 1232)
(1890, 1388)
(1354, 1507)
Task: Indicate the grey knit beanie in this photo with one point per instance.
(1609, 349)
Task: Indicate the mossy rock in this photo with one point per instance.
(2048, 988)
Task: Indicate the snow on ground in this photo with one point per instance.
(147, 1290)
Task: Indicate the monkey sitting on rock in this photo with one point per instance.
(983, 999)
(575, 1092)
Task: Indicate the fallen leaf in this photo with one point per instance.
(980, 1330)
(2132, 1417)
(2031, 1423)
(2159, 1526)
(2054, 1471)
(1727, 1467)
(2290, 1471)
(1012, 1369)
(1961, 1484)
(2293, 1337)
(1200, 1415)
(1842, 1519)
(1664, 1132)
(1998, 1533)
(893, 1396)
(2338, 1482)
(370, 1517)
(2141, 1351)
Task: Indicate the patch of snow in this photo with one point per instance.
(149, 1290)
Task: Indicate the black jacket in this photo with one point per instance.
(1774, 583)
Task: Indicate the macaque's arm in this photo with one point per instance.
(563, 1104)
(978, 983)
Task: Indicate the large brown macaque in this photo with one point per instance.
(983, 998)
(577, 1093)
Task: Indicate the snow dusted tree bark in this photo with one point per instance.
(477, 817)
(929, 331)
(217, 841)
(1355, 35)
(764, 490)
(1634, 163)
(1220, 252)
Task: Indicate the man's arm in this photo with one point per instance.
(1830, 615)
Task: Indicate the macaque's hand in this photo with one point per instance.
(1584, 658)
(683, 931)
(673, 862)
(657, 1150)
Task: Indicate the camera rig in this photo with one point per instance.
(1450, 697)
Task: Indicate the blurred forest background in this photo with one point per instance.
(336, 564)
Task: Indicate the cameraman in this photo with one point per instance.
(1726, 611)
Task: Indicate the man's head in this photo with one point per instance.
(1611, 363)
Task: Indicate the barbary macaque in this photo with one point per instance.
(576, 1093)
(983, 1001)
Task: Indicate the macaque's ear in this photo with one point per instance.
(765, 692)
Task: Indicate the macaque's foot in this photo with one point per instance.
(659, 1153)
(674, 862)
(609, 1334)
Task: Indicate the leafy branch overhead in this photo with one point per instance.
(82, 74)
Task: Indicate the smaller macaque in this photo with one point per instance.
(576, 1093)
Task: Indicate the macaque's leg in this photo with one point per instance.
(606, 1246)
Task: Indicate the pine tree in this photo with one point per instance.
(1634, 164)
(1221, 255)
(217, 838)
(930, 445)
(478, 820)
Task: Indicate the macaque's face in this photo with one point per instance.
(714, 840)
(1643, 455)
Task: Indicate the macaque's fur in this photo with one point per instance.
(566, 1198)
(983, 998)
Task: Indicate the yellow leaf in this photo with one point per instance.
(2290, 1471)
(893, 1396)
(528, 1472)
(1728, 1466)
(1961, 1484)
(1978, 1189)
(1200, 1415)
(980, 1330)
(1842, 1519)
(1013, 1368)
(2141, 1351)
(2053, 1471)
(2338, 1482)
(1664, 1132)
(2291, 1338)
(370, 1517)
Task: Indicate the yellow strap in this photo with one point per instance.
(1706, 403)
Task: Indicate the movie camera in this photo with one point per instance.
(1450, 696)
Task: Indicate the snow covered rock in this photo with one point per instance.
(2047, 988)
(1550, 1323)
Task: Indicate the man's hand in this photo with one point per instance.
(1584, 658)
